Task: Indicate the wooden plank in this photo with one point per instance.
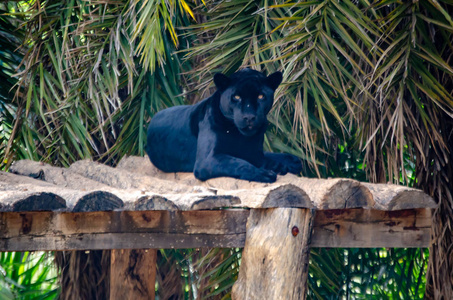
(104, 241)
(14, 224)
(133, 274)
(28, 231)
(363, 228)
(121, 230)
(275, 257)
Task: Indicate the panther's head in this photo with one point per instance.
(246, 97)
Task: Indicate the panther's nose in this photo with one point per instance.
(249, 118)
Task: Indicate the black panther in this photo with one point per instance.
(222, 135)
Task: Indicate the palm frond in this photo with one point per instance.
(28, 276)
(84, 72)
(11, 37)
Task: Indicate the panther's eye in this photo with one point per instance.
(260, 97)
(237, 98)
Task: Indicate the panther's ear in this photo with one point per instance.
(221, 81)
(274, 80)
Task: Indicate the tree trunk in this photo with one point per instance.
(133, 274)
(275, 258)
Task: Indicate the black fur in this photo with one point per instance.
(222, 135)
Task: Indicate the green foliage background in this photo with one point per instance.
(367, 94)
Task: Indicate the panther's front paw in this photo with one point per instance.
(291, 164)
(264, 175)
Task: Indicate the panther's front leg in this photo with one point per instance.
(282, 163)
(225, 165)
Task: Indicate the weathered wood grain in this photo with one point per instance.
(363, 228)
(121, 230)
(40, 201)
(22, 193)
(212, 202)
(286, 196)
(47, 230)
(17, 191)
(177, 222)
(396, 197)
(137, 185)
(124, 179)
(62, 177)
(143, 166)
(102, 241)
(133, 274)
(154, 202)
(275, 257)
(335, 193)
(98, 201)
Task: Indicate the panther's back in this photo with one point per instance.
(171, 146)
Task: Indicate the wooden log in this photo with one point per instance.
(275, 257)
(98, 201)
(39, 202)
(23, 193)
(124, 179)
(62, 177)
(133, 274)
(16, 193)
(143, 166)
(287, 196)
(273, 195)
(335, 193)
(19, 193)
(397, 197)
(139, 185)
(154, 202)
(355, 228)
(98, 196)
(41, 197)
(212, 202)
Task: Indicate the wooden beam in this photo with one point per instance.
(22, 231)
(137, 185)
(363, 228)
(45, 230)
(133, 274)
(275, 257)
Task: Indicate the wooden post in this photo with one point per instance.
(133, 274)
(275, 258)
